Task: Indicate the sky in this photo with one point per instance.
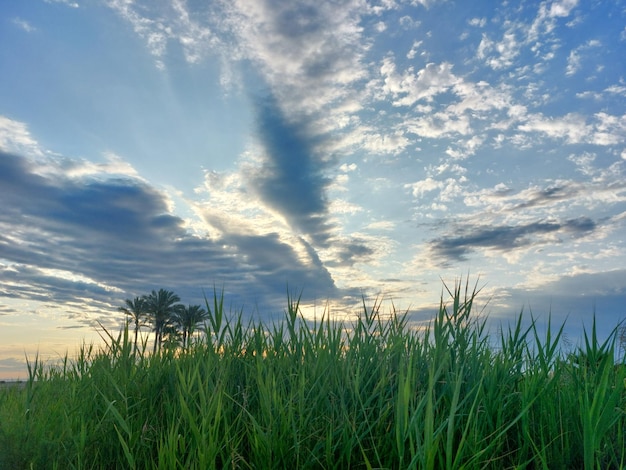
(337, 149)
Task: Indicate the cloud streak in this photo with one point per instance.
(509, 238)
(291, 177)
(110, 237)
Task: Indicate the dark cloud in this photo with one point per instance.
(102, 240)
(114, 208)
(575, 300)
(5, 310)
(354, 251)
(549, 195)
(507, 237)
(291, 179)
(271, 261)
(592, 285)
(299, 20)
(34, 283)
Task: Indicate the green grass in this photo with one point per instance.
(372, 393)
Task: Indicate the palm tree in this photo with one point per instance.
(136, 310)
(171, 336)
(161, 306)
(187, 319)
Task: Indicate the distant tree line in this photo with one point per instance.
(172, 322)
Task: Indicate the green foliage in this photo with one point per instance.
(370, 393)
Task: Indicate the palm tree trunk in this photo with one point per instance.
(136, 334)
(156, 340)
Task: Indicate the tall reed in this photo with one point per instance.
(368, 393)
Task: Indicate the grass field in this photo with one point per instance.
(372, 393)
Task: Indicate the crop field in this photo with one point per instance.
(371, 393)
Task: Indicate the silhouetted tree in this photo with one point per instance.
(136, 310)
(161, 307)
(187, 320)
(171, 336)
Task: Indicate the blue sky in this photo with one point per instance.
(345, 148)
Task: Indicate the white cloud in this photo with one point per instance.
(545, 21)
(113, 165)
(195, 39)
(407, 22)
(446, 167)
(419, 188)
(589, 95)
(574, 60)
(502, 54)
(385, 144)
(479, 22)
(409, 87)
(584, 162)
(571, 127)
(309, 52)
(617, 89)
(227, 208)
(485, 46)
(481, 97)
(506, 51)
(381, 225)
(342, 207)
(69, 3)
(455, 154)
(608, 129)
(439, 125)
(596, 192)
(381, 6)
(15, 137)
(154, 33)
(452, 189)
(562, 8)
(573, 63)
(449, 189)
(369, 139)
(340, 182)
(465, 148)
(414, 48)
(381, 26)
(59, 167)
(23, 24)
